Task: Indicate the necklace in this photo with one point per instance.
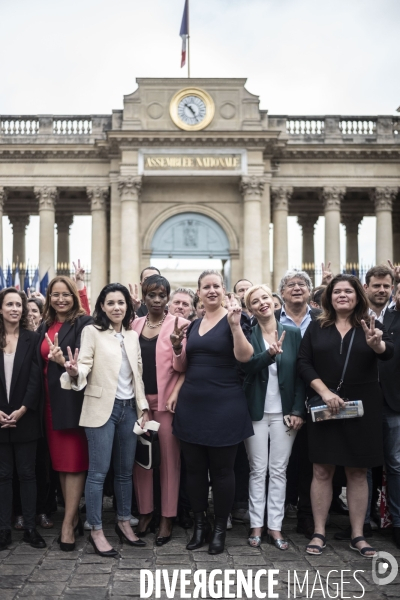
(150, 326)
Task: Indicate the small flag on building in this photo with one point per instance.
(17, 282)
(2, 280)
(36, 280)
(184, 32)
(27, 284)
(44, 284)
(9, 277)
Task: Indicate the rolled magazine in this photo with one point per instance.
(351, 410)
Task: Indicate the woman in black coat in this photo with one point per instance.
(63, 321)
(20, 414)
(355, 443)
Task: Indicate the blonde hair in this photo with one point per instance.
(255, 288)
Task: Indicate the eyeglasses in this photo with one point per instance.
(56, 295)
(293, 285)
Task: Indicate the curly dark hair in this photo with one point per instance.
(101, 321)
(24, 323)
(360, 312)
(49, 314)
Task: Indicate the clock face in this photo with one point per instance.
(192, 110)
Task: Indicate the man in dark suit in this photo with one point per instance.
(389, 374)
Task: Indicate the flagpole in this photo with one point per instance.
(188, 39)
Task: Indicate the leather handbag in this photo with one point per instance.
(148, 454)
(316, 401)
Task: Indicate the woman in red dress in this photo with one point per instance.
(63, 321)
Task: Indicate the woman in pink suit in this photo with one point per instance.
(162, 366)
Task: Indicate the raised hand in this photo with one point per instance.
(373, 336)
(55, 352)
(71, 365)
(134, 293)
(178, 334)
(37, 295)
(276, 347)
(327, 274)
(234, 310)
(395, 271)
(79, 275)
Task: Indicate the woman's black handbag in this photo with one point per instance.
(317, 402)
(148, 450)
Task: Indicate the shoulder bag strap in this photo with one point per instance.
(347, 360)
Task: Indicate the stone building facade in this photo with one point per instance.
(194, 168)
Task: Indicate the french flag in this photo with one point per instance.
(184, 32)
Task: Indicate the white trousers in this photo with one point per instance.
(270, 427)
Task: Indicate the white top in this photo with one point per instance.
(125, 389)
(380, 318)
(273, 402)
(8, 369)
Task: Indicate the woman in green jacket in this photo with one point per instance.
(276, 399)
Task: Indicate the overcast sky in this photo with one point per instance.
(301, 57)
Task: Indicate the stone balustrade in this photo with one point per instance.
(87, 126)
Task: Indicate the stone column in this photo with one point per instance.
(129, 189)
(280, 210)
(115, 230)
(47, 198)
(252, 189)
(351, 222)
(98, 276)
(265, 233)
(307, 223)
(19, 224)
(332, 198)
(3, 198)
(383, 199)
(64, 222)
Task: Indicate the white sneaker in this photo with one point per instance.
(133, 521)
(229, 522)
(87, 526)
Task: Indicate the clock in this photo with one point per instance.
(192, 109)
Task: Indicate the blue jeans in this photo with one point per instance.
(391, 451)
(114, 436)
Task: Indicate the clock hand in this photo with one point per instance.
(190, 108)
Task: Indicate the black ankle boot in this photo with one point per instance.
(201, 531)
(217, 543)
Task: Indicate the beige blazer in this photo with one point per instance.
(99, 363)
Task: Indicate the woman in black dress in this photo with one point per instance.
(356, 443)
(212, 417)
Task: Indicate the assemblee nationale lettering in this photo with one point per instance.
(192, 162)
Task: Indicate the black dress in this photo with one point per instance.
(212, 408)
(347, 442)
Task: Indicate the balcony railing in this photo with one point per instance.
(19, 125)
(54, 125)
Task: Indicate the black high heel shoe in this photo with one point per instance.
(65, 546)
(123, 538)
(108, 553)
(78, 529)
(150, 527)
(217, 543)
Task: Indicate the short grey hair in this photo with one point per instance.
(183, 290)
(291, 274)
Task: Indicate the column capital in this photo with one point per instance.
(129, 187)
(383, 197)
(332, 197)
(19, 222)
(3, 197)
(280, 197)
(46, 196)
(98, 197)
(64, 221)
(351, 221)
(307, 221)
(252, 187)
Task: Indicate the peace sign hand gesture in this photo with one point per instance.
(79, 275)
(134, 293)
(276, 347)
(373, 336)
(327, 274)
(71, 365)
(55, 352)
(177, 335)
(395, 271)
(234, 310)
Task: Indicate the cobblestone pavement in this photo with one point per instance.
(52, 574)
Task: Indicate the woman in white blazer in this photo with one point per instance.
(110, 366)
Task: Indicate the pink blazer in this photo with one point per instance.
(169, 365)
